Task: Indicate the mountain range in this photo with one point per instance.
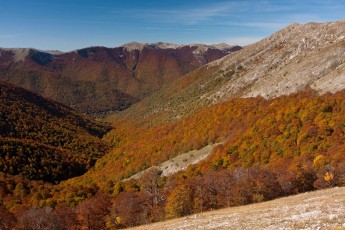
(298, 56)
(259, 122)
(97, 80)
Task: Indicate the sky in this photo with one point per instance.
(73, 24)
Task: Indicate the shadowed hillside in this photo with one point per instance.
(43, 139)
(97, 80)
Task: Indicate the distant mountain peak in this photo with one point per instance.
(21, 53)
(166, 45)
(159, 45)
(221, 46)
(134, 46)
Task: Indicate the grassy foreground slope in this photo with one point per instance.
(324, 209)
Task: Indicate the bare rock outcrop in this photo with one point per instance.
(310, 54)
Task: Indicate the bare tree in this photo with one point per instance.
(7, 219)
(93, 212)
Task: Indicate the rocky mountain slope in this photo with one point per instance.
(43, 139)
(297, 56)
(97, 79)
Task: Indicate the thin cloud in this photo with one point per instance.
(235, 40)
(284, 21)
(6, 36)
(182, 16)
(305, 18)
(242, 41)
(263, 25)
(266, 25)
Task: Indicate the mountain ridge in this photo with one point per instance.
(97, 80)
(298, 56)
(167, 45)
(134, 44)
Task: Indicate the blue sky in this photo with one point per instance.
(71, 24)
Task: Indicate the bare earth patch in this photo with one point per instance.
(180, 162)
(324, 209)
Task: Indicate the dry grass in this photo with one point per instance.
(324, 209)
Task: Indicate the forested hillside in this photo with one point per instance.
(269, 148)
(111, 138)
(265, 144)
(42, 139)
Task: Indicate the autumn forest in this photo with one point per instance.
(62, 170)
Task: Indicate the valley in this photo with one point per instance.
(108, 138)
(297, 56)
(99, 80)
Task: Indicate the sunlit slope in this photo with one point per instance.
(297, 56)
(253, 132)
(321, 209)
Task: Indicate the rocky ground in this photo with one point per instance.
(180, 162)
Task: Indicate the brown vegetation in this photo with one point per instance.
(270, 148)
(97, 80)
(41, 139)
(274, 66)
